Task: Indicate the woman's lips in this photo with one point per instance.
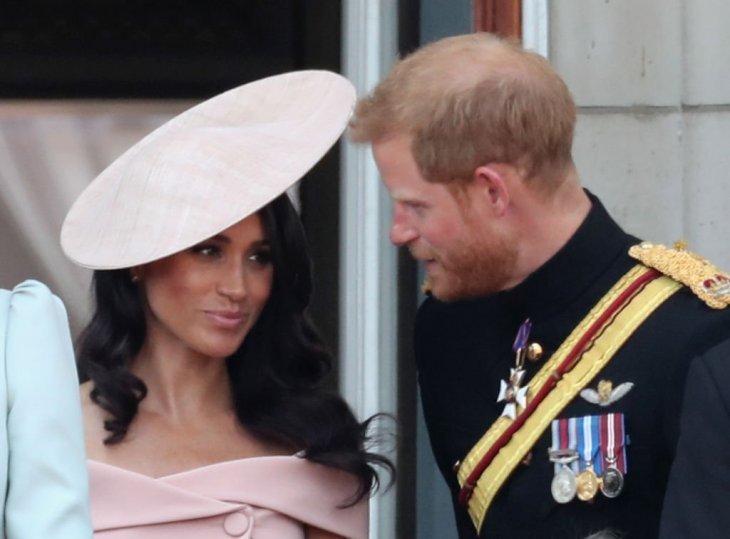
(226, 319)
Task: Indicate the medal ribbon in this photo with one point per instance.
(596, 432)
(522, 335)
(588, 442)
(573, 441)
(613, 441)
(564, 433)
(557, 440)
(577, 361)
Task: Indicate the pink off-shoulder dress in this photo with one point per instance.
(254, 498)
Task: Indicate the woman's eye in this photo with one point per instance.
(209, 251)
(262, 257)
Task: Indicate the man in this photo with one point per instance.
(551, 359)
(697, 493)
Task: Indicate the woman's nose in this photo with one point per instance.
(233, 282)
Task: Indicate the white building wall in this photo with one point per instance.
(652, 82)
(368, 276)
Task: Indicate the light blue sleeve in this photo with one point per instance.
(47, 485)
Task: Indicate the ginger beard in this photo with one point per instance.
(480, 262)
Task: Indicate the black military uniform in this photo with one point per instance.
(464, 349)
(696, 503)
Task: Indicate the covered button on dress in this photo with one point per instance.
(254, 498)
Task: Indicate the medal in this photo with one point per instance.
(612, 482)
(587, 482)
(511, 392)
(589, 454)
(563, 485)
(586, 485)
(613, 449)
(565, 458)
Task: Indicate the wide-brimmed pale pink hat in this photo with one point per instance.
(207, 169)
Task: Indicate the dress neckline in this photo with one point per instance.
(190, 471)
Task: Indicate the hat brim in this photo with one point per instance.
(207, 169)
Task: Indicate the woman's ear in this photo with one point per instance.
(136, 273)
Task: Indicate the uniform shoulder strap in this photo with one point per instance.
(708, 283)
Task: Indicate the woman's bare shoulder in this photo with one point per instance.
(88, 406)
(94, 417)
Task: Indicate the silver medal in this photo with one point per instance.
(612, 482)
(563, 485)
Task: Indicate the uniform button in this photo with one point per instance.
(534, 352)
(238, 523)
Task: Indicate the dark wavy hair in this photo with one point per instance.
(276, 375)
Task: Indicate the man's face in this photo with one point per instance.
(464, 254)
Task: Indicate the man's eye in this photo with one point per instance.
(418, 209)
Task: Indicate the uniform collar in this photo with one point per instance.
(598, 242)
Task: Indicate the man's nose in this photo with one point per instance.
(402, 233)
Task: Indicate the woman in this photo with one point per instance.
(43, 481)
(203, 408)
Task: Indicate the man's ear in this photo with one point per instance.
(491, 184)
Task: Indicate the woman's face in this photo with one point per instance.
(208, 297)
